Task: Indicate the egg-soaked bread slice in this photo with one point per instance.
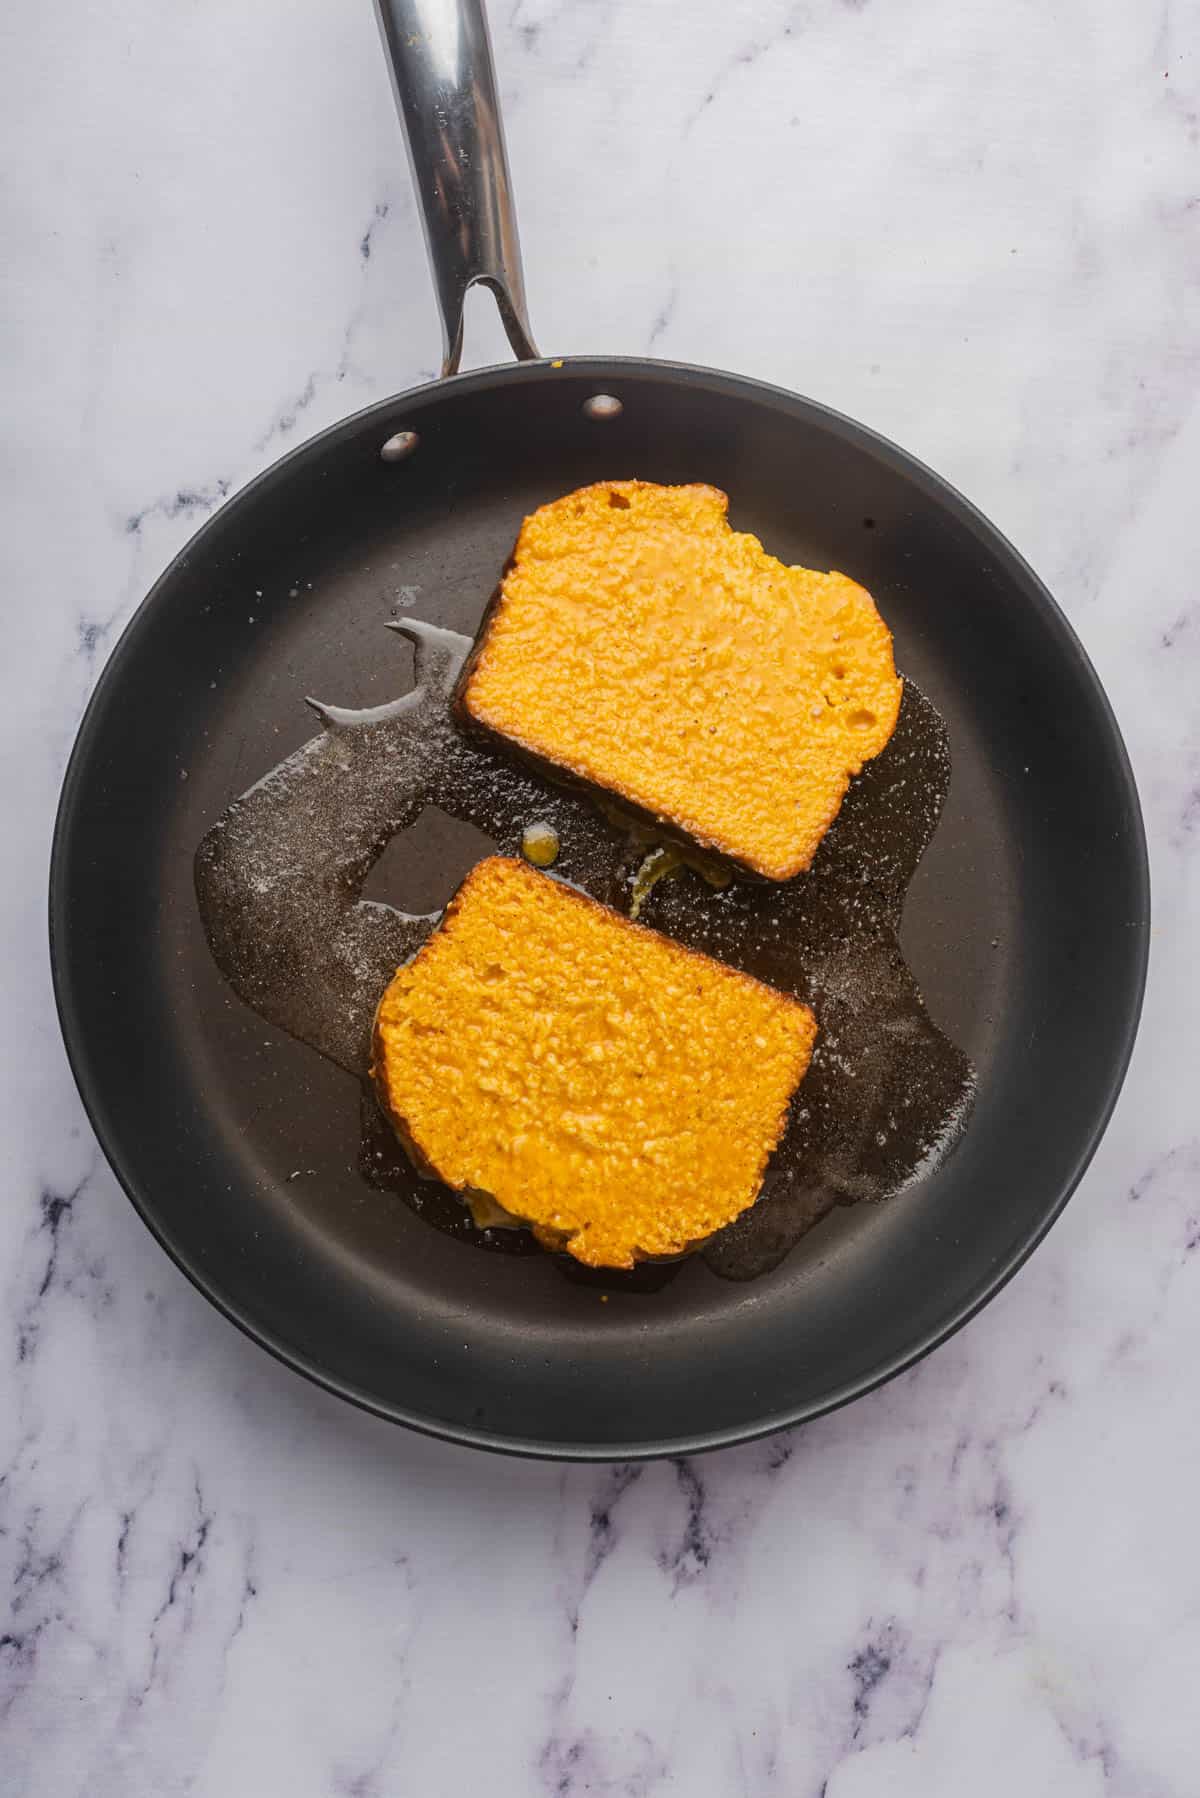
(619, 1093)
(640, 644)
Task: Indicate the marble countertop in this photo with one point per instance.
(974, 226)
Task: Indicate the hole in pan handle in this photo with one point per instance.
(440, 57)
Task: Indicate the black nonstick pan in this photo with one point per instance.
(254, 1159)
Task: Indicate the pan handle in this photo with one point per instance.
(440, 59)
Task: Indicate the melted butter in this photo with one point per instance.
(660, 864)
(279, 881)
(539, 844)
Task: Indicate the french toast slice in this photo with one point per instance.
(615, 1091)
(640, 645)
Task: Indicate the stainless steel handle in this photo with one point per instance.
(440, 58)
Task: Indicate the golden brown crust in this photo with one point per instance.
(637, 644)
(616, 1091)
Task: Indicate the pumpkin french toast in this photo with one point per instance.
(615, 1091)
(639, 644)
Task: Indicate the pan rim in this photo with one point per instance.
(89, 1080)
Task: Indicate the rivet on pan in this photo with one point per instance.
(398, 447)
(603, 405)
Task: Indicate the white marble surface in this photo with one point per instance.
(974, 225)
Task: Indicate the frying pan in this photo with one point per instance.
(1026, 923)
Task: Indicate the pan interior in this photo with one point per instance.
(1025, 923)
